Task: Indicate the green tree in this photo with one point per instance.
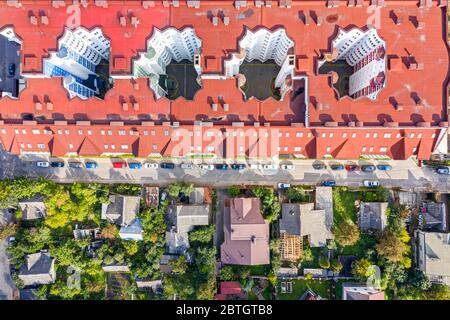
(362, 269)
(207, 289)
(391, 247)
(347, 233)
(227, 273)
(437, 292)
(203, 234)
(131, 247)
(179, 265)
(297, 194)
(270, 205)
(335, 266)
(206, 259)
(234, 191)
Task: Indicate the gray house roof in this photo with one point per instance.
(33, 208)
(39, 268)
(290, 218)
(372, 215)
(6, 217)
(183, 218)
(433, 254)
(121, 210)
(133, 231)
(303, 220)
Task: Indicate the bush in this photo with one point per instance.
(324, 263)
(335, 266)
(234, 191)
(226, 273)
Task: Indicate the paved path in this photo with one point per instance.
(6, 283)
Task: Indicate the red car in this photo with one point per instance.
(352, 167)
(119, 165)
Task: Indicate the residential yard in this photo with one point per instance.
(314, 262)
(299, 287)
(344, 204)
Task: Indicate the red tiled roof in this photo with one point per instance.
(427, 45)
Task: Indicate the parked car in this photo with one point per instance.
(167, 165)
(135, 165)
(11, 241)
(352, 167)
(57, 164)
(186, 166)
(151, 165)
(91, 165)
(368, 168)
(120, 165)
(287, 166)
(337, 167)
(384, 167)
(255, 166)
(75, 164)
(283, 185)
(442, 170)
(11, 70)
(206, 166)
(328, 183)
(371, 183)
(270, 166)
(319, 166)
(238, 166)
(221, 166)
(43, 164)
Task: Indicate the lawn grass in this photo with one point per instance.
(344, 205)
(259, 270)
(252, 296)
(320, 287)
(314, 263)
(338, 288)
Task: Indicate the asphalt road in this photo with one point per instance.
(405, 174)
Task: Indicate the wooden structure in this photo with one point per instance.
(291, 247)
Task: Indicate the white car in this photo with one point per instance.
(287, 166)
(282, 185)
(151, 165)
(270, 167)
(371, 183)
(255, 166)
(186, 166)
(206, 166)
(43, 164)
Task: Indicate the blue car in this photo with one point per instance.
(135, 165)
(368, 168)
(221, 166)
(91, 165)
(337, 167)
(384, 167)
(328, 183)
(57, 164)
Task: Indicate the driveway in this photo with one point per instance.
(6, 284)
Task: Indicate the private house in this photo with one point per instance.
(132, 231)
(372, 216)
(433, 255)
(311, 220)
(230, 290)
(359, 291)
(33, 208)
(246, 233)
(122, 210)
(39, 268)
(433, 216)
(180, 220)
